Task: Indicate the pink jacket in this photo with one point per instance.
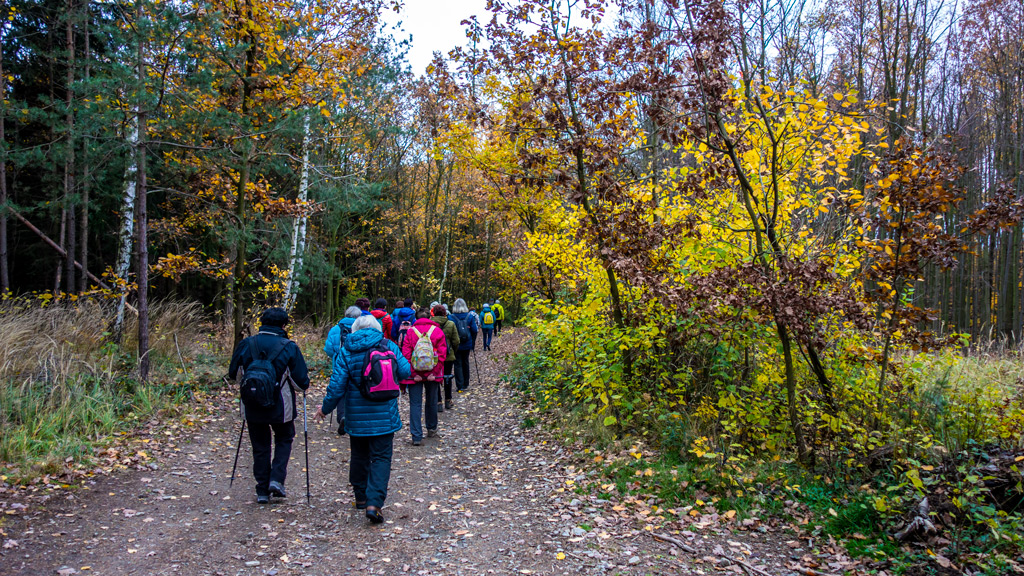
(440, 348)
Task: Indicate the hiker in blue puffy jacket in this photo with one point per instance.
(340, 331)
(371, 425)
(460, 313)
(400, 315)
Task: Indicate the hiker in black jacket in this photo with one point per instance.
(291, 372)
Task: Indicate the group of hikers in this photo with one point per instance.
(376, 357)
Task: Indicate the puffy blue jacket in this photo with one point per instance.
(397, 317)
(334, 338)
(483, 315)
(473, 330)
(362, 417)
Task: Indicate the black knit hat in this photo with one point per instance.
(274, 317)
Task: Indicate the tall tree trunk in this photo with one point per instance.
(142, 238)
(5, 278)
(124, 253)
(69, 152)
(83, 227)
(62, 242)
(299, 227)
(241, 207)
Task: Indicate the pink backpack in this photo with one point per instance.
(380, 376)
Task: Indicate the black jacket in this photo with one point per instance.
(289, 365)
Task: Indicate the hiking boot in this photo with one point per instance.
(432, 433)
(373, 513)
(449, 404)
(263, 499)
(416, 442)
(276, 489)
(360, 504)
(440, 407)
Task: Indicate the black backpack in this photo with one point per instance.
(463, 328)
(345, 330)
(260, 381)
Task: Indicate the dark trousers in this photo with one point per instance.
(417, 407)
(449, 375)
(262, 469)
(462, 369)
(370, 468)
(488, 332)
(497, 326)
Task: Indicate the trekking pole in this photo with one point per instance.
(305, 433)
(477, 364)
(237, 450)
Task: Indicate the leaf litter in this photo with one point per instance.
(485, 497)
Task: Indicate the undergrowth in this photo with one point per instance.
(952, 441)
(66, 387)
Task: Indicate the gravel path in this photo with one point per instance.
(487, 497)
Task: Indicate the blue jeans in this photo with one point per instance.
(488, 332)
(370, 468)
(416, 407)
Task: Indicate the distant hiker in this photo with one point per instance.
(366, 365)
(487, 320)
(474, 316)
(452, 341)
(380, 312)
(269, 367)
(468, 329)
(425, 348)
(499, 316)
(401, 320)
(340, 331)
(364, 306)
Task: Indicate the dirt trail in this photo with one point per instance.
(482, 499)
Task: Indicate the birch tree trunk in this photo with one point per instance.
(124, 253)
(299, 229)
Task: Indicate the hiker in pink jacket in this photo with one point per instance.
(424, 380)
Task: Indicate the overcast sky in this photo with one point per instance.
(434, 26)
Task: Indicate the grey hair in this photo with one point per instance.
(366, 322)
(459, 307)
(353, 312)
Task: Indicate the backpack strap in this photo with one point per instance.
(418, 333)
(281, 345)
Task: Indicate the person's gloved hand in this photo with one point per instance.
(341, 427)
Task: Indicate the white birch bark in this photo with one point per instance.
(124, 253)
(299, 228)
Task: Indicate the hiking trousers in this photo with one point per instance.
(488, 333)
(449, 375)
(462, 369)
(263, 468)
(417, 407)
(370, 468)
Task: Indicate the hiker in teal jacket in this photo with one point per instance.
(371, 425)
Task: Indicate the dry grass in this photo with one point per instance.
(64, 386)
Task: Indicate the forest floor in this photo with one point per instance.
(487, 497)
